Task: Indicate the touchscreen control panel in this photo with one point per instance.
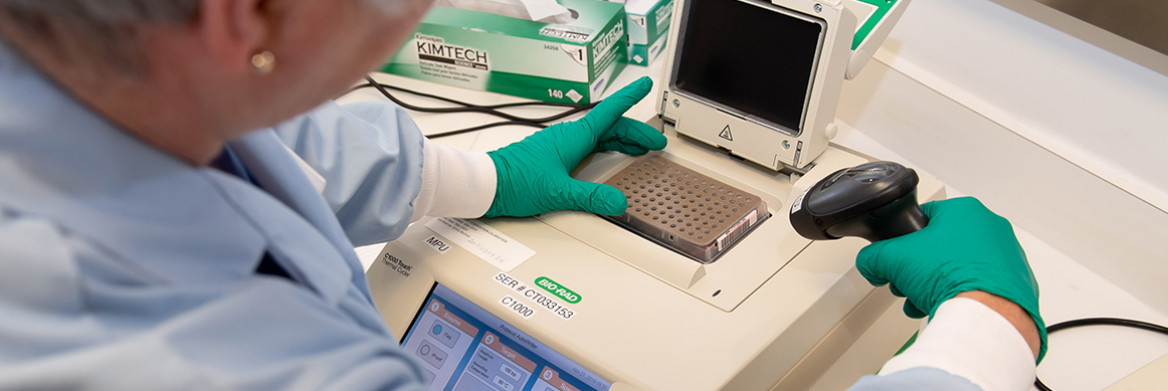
(463, 348)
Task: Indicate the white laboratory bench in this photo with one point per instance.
(1090, 358)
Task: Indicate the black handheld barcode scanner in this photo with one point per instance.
(874, 201)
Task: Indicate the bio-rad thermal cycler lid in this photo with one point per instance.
(762, 79)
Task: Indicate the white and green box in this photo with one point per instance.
(648, 28)
(570, 62)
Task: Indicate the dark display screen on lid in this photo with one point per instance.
(750, 58)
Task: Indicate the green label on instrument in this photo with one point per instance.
(556, 289)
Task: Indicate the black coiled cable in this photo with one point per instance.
(1098, 322)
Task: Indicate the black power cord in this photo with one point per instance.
(464, 107)
(1098, 322)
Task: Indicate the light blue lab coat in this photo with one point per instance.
(122, 268)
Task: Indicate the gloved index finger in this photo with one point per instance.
(608, 111)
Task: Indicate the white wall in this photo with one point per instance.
(1062, 137)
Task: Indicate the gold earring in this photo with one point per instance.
(263, 63)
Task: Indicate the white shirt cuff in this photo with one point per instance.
(454, 183)
(968, 339)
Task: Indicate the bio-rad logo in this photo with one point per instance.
(605, 42)
(431, 48)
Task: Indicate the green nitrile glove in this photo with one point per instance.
(965, 247)
(533, 174)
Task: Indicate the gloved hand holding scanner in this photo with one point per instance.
(932, 254)
(965, 251)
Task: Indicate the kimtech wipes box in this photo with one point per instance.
(572, 60)
(648, 28)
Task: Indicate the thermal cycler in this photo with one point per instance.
(702, 284)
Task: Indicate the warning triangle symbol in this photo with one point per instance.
(726, 133)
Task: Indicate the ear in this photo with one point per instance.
(233, 31)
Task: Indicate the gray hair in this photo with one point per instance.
(107, 13)
(104, 28)
(107, 27)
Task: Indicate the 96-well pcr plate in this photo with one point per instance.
(688, 212)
